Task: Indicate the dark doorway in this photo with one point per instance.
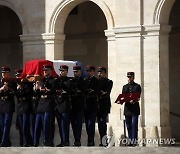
(174, 70)
(85, 38)
(11, 52)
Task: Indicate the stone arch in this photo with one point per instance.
(162, 11)
(12, 7)
(63, 9)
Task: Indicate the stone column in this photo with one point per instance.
(156, 80)
(33, 47)
(54, 46)
(42, 46)
(112, 58)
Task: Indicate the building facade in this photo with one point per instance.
(124, 35)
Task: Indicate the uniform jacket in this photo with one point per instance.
(35, 100)
(92, 91)
(7, 103)
(24, 104)
(104, 95)
(129, 108)
(77, 93)
(63, 103)
(47, 101)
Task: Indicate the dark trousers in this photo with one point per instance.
(102, 126)
(37, 129)
(132, 127)
(32, 124)
(90, 119)
(35, 136)
(5, 126)
(76, 123)
(47, 120)
(24, 128)
(63, 120)
(20, 132)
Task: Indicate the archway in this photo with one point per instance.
(85, 39)
(59, 18)
(174, 72)
(162, 11)
(78, 30)
(11, 52)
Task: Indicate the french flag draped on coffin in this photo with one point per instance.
(35, 67)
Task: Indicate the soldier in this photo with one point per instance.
(91, 106)
(77, 91)
(46, 107)
(7, 107)
(35, 102)
(131, 109)
(104, 102)
(24, 108)
(63, 105)
(18, 73)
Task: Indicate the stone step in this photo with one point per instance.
(91, 150)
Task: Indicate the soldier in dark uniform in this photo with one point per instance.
(91, 106)
(46, 107)
(63, 105)
(24, 108)
(77, 91)
(35, 102)
(104, 102)
(7, 107)
(131, 109)
(18, 73)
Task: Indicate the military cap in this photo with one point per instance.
(5, 69)
(130, 74)
(76, 68)
(63, 67)
(18, 72)
(90, 68)
(47, 67)
(101, 69)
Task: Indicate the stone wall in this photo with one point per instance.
(137, 40)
